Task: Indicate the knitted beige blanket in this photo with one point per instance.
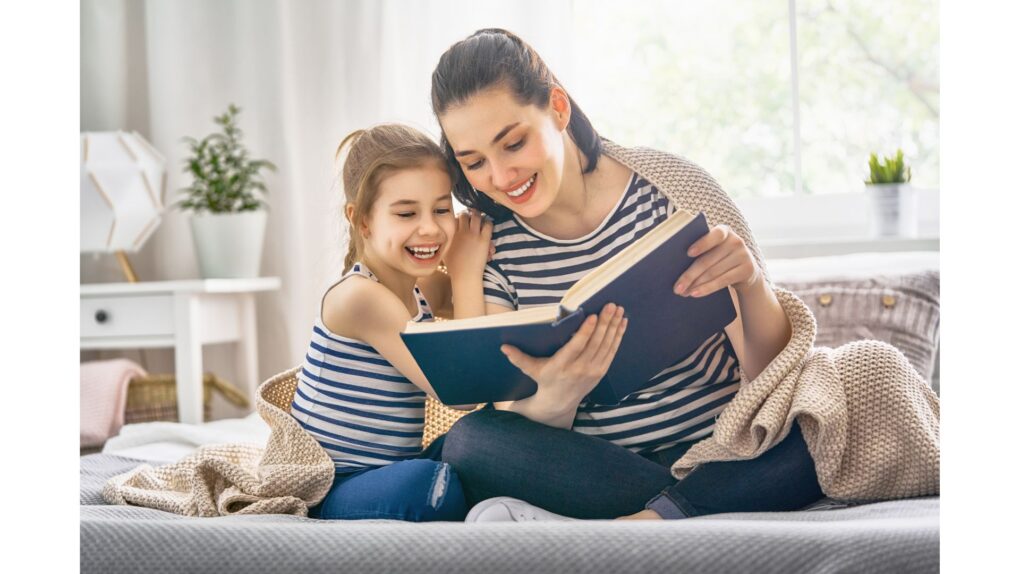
(870, 421)
(292, 474)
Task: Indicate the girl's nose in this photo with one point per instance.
(428, 226)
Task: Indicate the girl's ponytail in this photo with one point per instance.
(353, 239)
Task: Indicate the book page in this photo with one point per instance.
(543, 314)
(605, 274)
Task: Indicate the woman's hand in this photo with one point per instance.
(471, 246)
(573, 371)
(721, 260)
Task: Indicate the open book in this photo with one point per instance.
(463, 363)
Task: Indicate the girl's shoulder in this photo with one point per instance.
(359, 305)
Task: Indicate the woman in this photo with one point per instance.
(565, 200)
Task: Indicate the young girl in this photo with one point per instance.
(360, 393)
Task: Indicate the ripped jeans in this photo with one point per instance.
(417, 490)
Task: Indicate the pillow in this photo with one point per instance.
(902, 310)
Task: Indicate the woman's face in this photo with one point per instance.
(512, 153)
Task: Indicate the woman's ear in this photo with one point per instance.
(560, 104)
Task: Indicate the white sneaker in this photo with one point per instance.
(506, 509)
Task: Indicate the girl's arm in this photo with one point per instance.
(368, 311)
(465, 261)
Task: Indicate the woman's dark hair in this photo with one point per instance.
(494, 57)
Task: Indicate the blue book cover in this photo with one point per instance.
(463, 363)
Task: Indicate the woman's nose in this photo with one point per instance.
(502, 176)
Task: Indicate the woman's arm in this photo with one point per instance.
(723, 260)
(572, 372)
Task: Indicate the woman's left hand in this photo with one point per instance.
(721, 260)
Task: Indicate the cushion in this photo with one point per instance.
(902, 310)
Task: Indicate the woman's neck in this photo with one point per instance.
(400, 284)
(584, 199)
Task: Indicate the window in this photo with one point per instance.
(716, 82)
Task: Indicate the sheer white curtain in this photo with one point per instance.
(305, 73)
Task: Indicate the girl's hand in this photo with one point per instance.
(471, 246)
(721, 260)
(574, 370)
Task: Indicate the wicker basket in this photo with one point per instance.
(438, 420)
(154, 397)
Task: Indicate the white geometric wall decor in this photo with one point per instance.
(123, 183)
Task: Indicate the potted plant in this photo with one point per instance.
(892, 198)
(228, 219)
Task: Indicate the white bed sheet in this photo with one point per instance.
(165, 441)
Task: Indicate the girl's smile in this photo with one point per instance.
(424, 254)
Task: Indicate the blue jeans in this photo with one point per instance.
(416, 490)
(499, 453)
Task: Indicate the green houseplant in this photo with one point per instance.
(226, 200)
(892, 198)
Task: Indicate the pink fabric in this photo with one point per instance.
(103, 396)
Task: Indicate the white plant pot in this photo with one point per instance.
(229, 245)
(893, 209)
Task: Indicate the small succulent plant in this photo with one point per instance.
(890, 170)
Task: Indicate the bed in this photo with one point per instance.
(893, 297)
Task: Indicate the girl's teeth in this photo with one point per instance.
(423, 252)
(520, 190)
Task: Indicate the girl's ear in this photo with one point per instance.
(560, 104)
(349, 212)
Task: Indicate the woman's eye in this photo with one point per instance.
(405, 214)
(516, 146)
(443, 211)
(475, 165)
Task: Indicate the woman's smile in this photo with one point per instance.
(523, 192)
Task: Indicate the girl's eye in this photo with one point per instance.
(516, 146)
(405, 214)
(443, 211)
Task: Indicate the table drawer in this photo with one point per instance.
(127, 316)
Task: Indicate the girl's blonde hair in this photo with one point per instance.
(372, 155)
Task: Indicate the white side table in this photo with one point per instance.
(181, 314)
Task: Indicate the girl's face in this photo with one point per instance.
(411, 222)
(509, 152)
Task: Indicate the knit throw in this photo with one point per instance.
(292, 473)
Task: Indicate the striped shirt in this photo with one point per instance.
(354, 402)
(681, 402)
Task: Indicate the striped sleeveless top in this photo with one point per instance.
(681, 402)
(354, 402)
